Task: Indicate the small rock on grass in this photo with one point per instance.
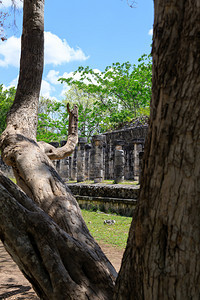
(109, 222)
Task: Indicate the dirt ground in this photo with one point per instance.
(13, 285)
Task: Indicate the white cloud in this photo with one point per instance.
(150, 32)
(56, 51)
(8, 3)
(46, 89)
(10, 50)
(6, 87)
(13, 83)
(77, 76)
(53, 77)
(65, 89)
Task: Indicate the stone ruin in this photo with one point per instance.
(115, 155)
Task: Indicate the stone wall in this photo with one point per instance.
(107, 198)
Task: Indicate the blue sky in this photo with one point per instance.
(82, 32)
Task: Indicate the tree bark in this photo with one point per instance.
(22, 117)
(162, 258)
(58, 256)
(57, 265)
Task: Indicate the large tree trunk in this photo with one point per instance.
(41, 251)
(162, 258)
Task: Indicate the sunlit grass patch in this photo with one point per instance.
(115, 234)
(13, 179)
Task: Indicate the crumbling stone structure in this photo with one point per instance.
(115, 155)
(81, 159)
(110, 198)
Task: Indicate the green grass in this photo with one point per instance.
(13, 179)
(114, 235)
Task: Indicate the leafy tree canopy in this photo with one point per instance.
(6, 99)
(122, 91)
(51, 126)
(91, 121)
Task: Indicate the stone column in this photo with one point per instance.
(70, 166)
(64, 165)
(64, 168)
(119, 162)
(98, 143)
(111, 161)
(107, 148)
(126, 162)
(91, 168)
(81, 159)
(131, 161)
(87, 161)
(56, 163)
(74, 165)
(138, 145)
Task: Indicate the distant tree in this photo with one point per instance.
(4, 18)
(122, 91)
(6, 100)
(91, 120)
(51, 125)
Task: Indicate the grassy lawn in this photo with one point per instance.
(114, 235)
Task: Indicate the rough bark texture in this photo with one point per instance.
(23, 114)
(57, 265)
(62, 260)
(162, 258)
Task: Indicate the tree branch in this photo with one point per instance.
(62, 152)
